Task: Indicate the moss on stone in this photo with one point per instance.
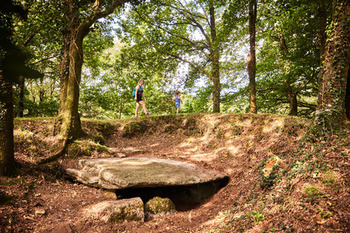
(159, 206)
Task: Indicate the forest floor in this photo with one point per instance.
(282, 179)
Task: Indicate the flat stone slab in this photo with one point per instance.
(116, 173)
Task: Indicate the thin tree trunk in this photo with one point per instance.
(252, 57)
(21, 88)
(7, 161)
(215, 55)
(332, 92)
(120, 108)
(290, 93)
(21, 85)
(347, 95)
(41, 90)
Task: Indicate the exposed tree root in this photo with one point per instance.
(57, 155)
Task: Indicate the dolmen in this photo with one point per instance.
(123, 173)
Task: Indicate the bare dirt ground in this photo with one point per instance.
(307, 191)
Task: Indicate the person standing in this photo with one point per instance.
(178, 101)
(140, 98)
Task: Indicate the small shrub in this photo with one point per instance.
(312, 193)
(268, 181)
(256, 216)
(329, 178)
(324, 213)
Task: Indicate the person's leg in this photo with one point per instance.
(177, 110)
(143, 106)
(137, 108)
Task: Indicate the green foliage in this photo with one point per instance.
(135, 128)
(312, 193)
(85, 148)
(256, 216)
(46, 107)
(169, 44)
(329, 178)
(266, 182)
(290, 56)
(324, 213)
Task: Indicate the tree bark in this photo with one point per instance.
(68, 121)
(252, 57)
(322, 39)
(7, 161)
(71, 125)
(215, 56)
(347, 95)
(21, 87)
(323, 24)
(332, 92)
(292, 97)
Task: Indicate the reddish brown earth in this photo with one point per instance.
(310, 191)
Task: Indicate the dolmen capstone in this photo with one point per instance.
(117, 173)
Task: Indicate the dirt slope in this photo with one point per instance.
(281, 178)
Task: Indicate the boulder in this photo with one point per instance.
(117, 210)
(116, 173)
(159, 206)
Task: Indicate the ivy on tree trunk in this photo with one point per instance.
(68, 121)
(332, 92)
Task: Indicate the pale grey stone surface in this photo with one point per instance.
(117, 173)
(117, 210)
(158, 206)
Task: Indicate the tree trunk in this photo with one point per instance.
(347, 95)
(292, 97)
(322, 38)
(215, 56)
(64, 70)
(331, 97)
(323, 24)
(21, 88)
(71, 125)
(41, 90)
(68, 121)
(7, 161)
(120, 108)
(252, 57)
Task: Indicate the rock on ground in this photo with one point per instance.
(159, 206)
(117, 210)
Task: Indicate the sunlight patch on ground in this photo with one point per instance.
(154, 145)
(130, 149)
(229, 171)
(220, 218)
(234, 150)
(271, 127)
(207, 157)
